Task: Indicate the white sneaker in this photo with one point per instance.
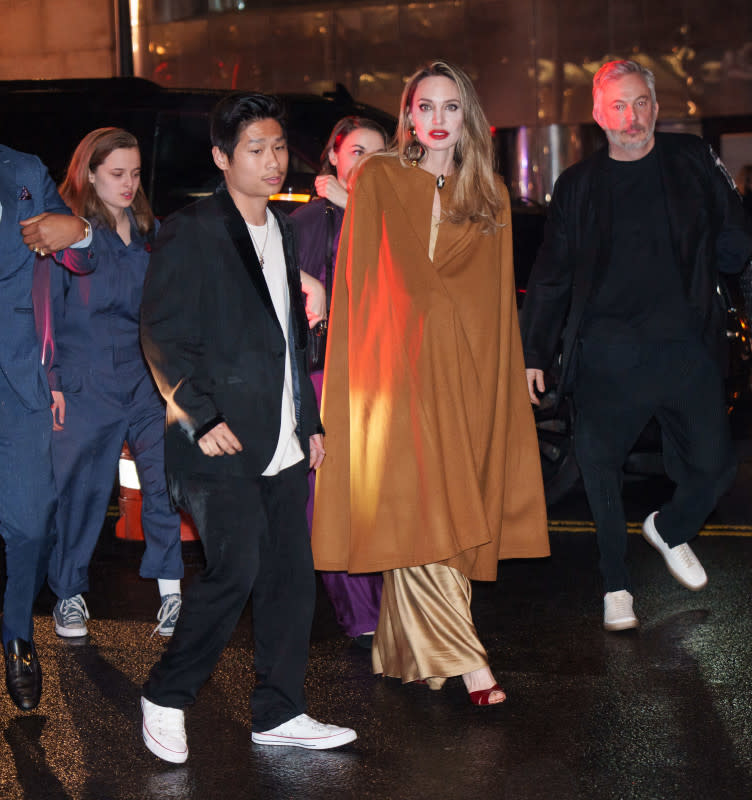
(163, 730)
(302, 731)
(617, 611)
(682, 563)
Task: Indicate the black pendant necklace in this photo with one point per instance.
(440, 181)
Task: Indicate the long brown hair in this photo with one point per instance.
(77, 190)
(476, 196)
(340, 132)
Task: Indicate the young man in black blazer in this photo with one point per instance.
(224, 330)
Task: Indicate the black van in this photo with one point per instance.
(49, 117)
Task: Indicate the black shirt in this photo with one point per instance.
(639, 294)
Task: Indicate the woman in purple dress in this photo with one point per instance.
(356, 598)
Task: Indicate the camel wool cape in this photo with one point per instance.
(432, 454)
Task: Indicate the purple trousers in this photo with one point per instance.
(356, 598)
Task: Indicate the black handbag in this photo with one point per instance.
(318, 333)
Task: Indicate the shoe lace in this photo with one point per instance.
(621, 605)
(73, 610)
(315, 726)
(684, 553)
(170, 720)
(168, 612)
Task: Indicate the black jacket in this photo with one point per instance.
(709, 232)
(215, 347)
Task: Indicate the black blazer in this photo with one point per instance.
(215, 347)
(709, 232)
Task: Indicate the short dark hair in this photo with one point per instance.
(234, 113)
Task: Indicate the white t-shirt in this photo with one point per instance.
(288, 450)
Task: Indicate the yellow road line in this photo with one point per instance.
(585, 526)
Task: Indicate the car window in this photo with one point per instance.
(183, 167)
(49, 118)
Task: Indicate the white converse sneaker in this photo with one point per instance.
(302, 731)
(682, 563)
(617, 611)
(163, 730)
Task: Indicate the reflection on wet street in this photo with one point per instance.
(659, 712)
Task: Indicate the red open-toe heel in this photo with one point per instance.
(481, 698)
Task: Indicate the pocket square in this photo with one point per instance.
(24, 194)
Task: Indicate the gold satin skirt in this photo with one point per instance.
(425, 629)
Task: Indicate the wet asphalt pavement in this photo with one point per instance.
(662, 712)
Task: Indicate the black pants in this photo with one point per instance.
(620, 386)
(255, 537)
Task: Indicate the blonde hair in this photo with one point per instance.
(476, 196)
(77, 190)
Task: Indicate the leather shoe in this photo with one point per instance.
(23, 674)
(682, 563)
(618, 613)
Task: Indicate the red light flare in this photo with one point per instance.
(386, 342)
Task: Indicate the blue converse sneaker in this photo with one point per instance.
(70, 617)
(168, 614)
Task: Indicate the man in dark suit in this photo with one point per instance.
(626, 283)
(33, 220)
(224, 330)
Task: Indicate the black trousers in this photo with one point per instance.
(620, 386)
(255, 537)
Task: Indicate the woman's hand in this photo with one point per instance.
(329, 187)
(58, 410)
(315, 295)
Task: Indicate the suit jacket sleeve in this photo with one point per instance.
(549, 289)
(733, 245)
(49, 282)
(171, 326)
